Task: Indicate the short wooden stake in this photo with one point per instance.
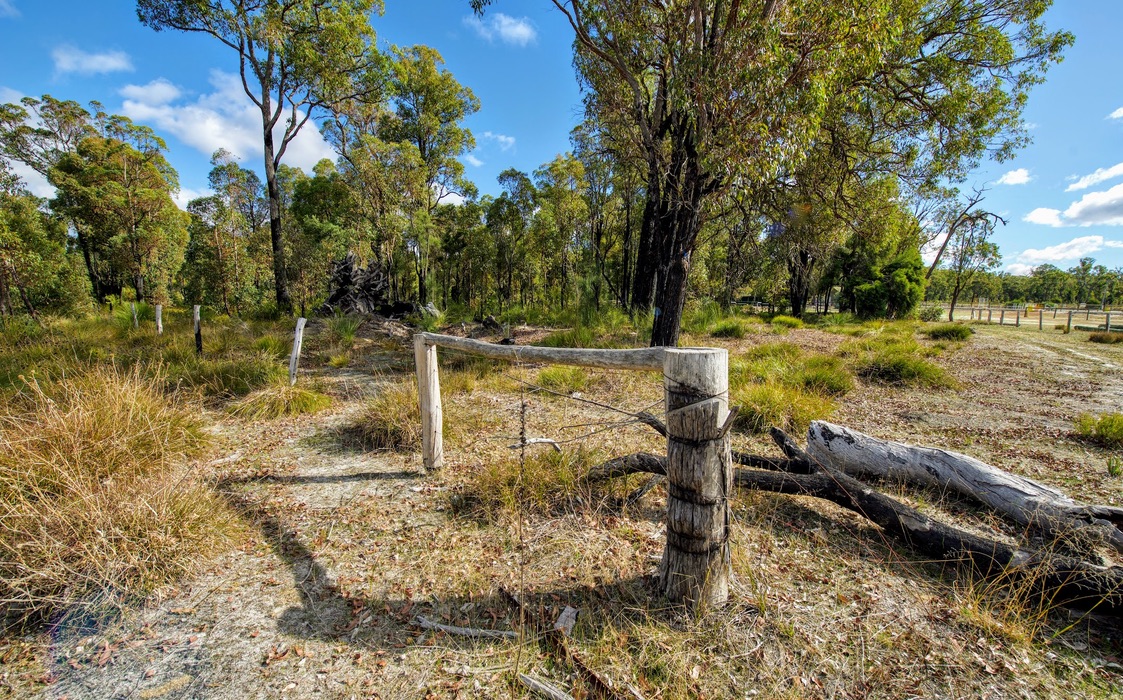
(972, 313)
(1018, 320)
(297, 342)
(1107, 322)
(989, 312)
(159, 319)
(136, 321)
(1087, 313)
(198, 331)
(1041, 319)
(696, 566)
(1054, 313)
(429, 396)
(1068, 327)
(1002, 317)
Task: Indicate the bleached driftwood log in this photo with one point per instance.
(1025, 501)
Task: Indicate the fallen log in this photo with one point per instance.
(1025, 501)
(1055, 580)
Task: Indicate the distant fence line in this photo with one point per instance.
(1072, 318)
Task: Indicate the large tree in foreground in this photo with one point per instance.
(294, 57)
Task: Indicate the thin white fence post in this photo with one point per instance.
(1107, 322)
(198, 330)
(429, 396)
(696, 565)
(136, 321)
(159, 319)
(297, 342)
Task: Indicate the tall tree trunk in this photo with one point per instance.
(643, 284)
(276, 233)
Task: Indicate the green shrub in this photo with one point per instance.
(1108, 337)
(1107, 430)
(948, 331)
(788, 408)
(931, 314)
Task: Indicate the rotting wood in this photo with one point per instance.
(297, 343)
(638, 358)
(696, 566)
(476, 633)
(1024, 500)
(566, 621)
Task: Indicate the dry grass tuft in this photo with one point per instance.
(97, 503)
(280, 399)
(391, 419)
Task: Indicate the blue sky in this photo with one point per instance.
(1062, 196)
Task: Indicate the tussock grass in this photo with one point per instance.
(783, 322)
(777, 384)
(1107, 429)
(898, 367)
(788, 408)
(225, 378)
(948, 331)
(391, 419)
(280, 399)
(548, 484)
(729, 328)
(1106, 337)
(98, 504)
(565, 380)
(274, 346)
(342, 329)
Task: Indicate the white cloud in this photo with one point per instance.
(1045, 217)
(1015, 177)
(1101, 175)
(36, 183)
(70, 59)
(1019, 269)
(157, 92)
(509, 30)
(1116, 114)
(1069, 250)
(8, 9)
(473, 161)
(1113, 244)
(505, 142)
(186, 194)
(224, 118)
(1102, 208)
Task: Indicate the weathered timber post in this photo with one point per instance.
(1002, 317)
(989, 312)
(198, 331)
(136, 321)
(429, 396)
(972, 313)
(1087, 313)
(1068, 327)
(159, 319)
(696, 567)
(1018, 320)
(297, 342)
(1041, 319)
(1054, 313)
(1107, 322)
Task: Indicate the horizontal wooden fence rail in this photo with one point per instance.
(696, 566)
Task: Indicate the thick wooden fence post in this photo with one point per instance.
(1068, 326)
(159, 319)
(1002, 317)
(297, 342)
(429, 396)
(696, 567)
(136, 321)
(198, 331)
(989, 312)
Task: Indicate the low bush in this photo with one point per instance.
(273, 345)
(948, 331)
(931, 314)
(226, 378)
(1107, 429)
(99, 504)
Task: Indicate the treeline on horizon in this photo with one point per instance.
(782, 158)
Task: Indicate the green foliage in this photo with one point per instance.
(392, 419)
(548, 483)
(1115, 466)
(931, 314)
(777, 384)
(342, 329)
(948, 331)
(898, 366)
(728, 328)
(763, 406)
(1107, 429)
(274, 346)
(225, 378)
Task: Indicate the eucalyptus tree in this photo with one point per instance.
(295, 58)
(120, 186)
(560, 217)
(34, 266)
(428, 108)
